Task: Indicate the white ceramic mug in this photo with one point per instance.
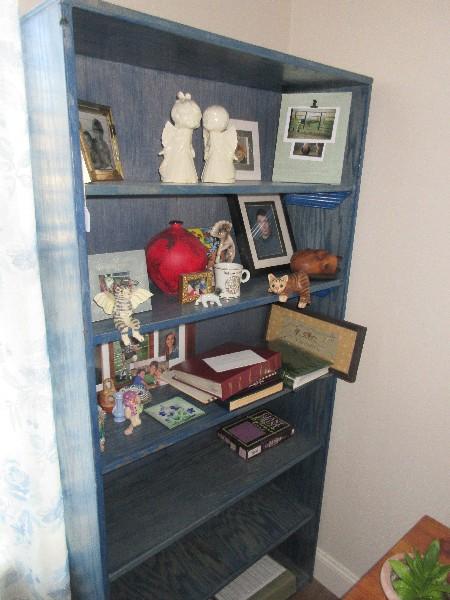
(228, 279)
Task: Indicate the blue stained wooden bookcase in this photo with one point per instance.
(163, 514)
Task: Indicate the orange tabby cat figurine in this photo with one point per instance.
(297, 282)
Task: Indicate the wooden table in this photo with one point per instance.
(423, 532)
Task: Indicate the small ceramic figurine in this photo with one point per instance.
(204, 299)
(133, 409)
(106, 397)
(226, 250)
(220, 144)
(293, 283)
(118, 411)
(120, 302)
(178, 163)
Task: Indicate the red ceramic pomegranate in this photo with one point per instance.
(172, 252)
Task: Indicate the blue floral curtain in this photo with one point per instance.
(33, 552)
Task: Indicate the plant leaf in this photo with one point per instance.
(403, 590)
(441, 572)
(431, 555)
(402, 571)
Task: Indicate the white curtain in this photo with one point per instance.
(33, 552)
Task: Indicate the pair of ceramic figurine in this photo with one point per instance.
(220, 141)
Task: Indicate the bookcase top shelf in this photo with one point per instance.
(121, 35)
(168, 312)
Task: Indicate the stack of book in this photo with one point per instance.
(265, 580)
(299, 365)
(233, 374)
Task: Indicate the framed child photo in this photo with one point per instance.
(98, 140)
(247, 163)
(262, 230)
(193, 285)
(175, 344)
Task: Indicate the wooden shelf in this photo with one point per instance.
(168, 312)
(151, 437)
(268, 514)
(117, 34)
(127, 189)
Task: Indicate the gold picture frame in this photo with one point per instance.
(98, 141)
(192, 285)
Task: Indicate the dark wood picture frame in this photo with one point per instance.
(260, 254)
(337, 340)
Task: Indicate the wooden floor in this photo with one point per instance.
(314, 591)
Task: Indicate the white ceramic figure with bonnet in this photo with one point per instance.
(178, 162)
(220, 141)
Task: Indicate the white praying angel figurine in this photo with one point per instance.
(220, 144)
(178, 163)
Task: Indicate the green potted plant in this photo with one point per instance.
(415, 576)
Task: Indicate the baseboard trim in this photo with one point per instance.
(332, 574)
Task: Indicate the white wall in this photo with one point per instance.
(390, 448)
(389, 460)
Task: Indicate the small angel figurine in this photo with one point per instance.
(220, 144)
(178, 163)
(120, 301)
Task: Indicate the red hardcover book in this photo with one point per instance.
(198, 373)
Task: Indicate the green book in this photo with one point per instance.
(299, 366)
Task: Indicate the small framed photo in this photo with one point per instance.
(306, 124)
(147, 360)
(98, 140)
(247, 163)
(175, 344)
(262, 230)
(125, 363)
(105, 269)
(192, 285)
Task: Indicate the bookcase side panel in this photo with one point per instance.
(50, 83)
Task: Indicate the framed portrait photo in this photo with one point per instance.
(192, 285)
(262, 230)
(98, 141)
(247, 163)
(175, 344)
